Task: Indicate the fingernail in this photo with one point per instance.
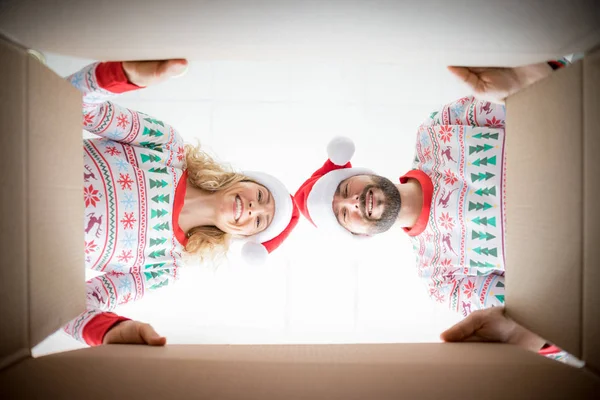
(179, 70)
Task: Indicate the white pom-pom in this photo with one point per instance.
(254, 253)
(340, 150)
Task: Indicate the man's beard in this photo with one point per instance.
(391, 205)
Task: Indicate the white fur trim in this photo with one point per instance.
(340, 150)
(254, 253)
(283, 205)
(320, 199)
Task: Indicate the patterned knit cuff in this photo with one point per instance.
(111, 77)
(558, 64)
(549, 349)
(94, 331)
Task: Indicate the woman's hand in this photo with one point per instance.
(146, 73)
(133, 332)
(496, 84)
(491, 325)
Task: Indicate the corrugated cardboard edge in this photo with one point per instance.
(591, 222)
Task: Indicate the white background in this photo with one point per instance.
(279, 117)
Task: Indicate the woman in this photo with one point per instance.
(150, 199)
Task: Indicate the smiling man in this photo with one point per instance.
(451, 204)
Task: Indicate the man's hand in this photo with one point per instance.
(133, 332)
(146, 73)
(496, 84)
(491, 325)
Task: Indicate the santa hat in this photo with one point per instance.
(285, 218)
(315, 196)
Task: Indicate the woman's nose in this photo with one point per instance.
(255, 208)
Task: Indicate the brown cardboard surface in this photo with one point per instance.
(552, 219)
(591, 221)
(507, 32)
(14, 340)
(55, 199)
(407, 371)
(545, 207)
(42, 207)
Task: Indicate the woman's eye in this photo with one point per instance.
(346, 191)
(260, 196)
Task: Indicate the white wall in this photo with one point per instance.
(279, 117)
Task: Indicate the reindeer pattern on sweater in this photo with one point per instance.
(130, 177)
(460, 254)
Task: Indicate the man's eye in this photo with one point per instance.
(346, 191)
(260, 196)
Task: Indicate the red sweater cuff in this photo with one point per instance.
(111, 77)
(94, 331)
(551, 349)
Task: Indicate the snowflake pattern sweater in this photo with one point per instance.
(134, 186)
(459, 237)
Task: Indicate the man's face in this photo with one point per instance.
(366, 204)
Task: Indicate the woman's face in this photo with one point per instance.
(246, 209)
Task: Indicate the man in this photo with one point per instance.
(451, 204)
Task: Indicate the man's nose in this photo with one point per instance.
(351, 202)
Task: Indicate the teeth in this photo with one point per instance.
(238, 208)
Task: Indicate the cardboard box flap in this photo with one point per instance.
(388, 371)
(42, 274)
(552, 145)
(500, 32)
(591, 211)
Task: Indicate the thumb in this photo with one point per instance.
(150, 336)
(461, 331)
(466, 75)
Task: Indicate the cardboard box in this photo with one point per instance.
(476, 32)
(553, 230)
(552, 255)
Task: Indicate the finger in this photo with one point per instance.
(465, 74)
(462, 330)
(472, 77)
(149, 336)
(174, 68)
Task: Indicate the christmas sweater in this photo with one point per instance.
(134, 185)
(459, 237)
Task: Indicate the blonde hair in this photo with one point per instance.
(208, 242)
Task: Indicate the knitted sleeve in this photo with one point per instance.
(468, 111)
(101, 81)
(104, 293)
(465, 294)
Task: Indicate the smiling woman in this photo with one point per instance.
(150, 198)
(214, 205)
